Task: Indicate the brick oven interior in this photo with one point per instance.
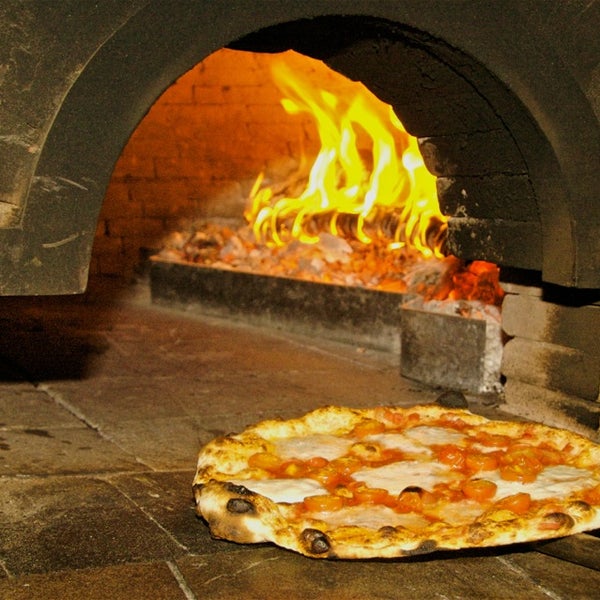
(105, 398)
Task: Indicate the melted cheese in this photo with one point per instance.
(398, 441)
(397, 476)
(283, 490)
(310, 446)
(431, 436)
(460, 513)
(371, 517)
(553, 482)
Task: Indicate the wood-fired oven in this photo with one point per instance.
(504, 99)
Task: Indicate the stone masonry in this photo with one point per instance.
(552, 361)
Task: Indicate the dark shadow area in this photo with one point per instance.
(57, 337)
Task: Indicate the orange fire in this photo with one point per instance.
(368, 179)
(368, 186)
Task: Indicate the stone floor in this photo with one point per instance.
(104, 403)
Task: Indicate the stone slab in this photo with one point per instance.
(499, 196)
(469, 239)
(27, 407)
(74, 523)
(443, 350)
(533, 318)
(265, 572)
(171, 443)
(551, 366)
(561, 579)
(118, 582)
(167, 498)
(112, 400)
(48, 451)
(552, 408)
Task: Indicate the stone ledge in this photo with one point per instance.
(552, 408)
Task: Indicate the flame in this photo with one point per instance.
(368, 179)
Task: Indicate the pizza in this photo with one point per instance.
(394, 482)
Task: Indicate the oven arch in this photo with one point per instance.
(47, 250)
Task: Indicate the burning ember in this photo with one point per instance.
(363, 212)
(338, 261)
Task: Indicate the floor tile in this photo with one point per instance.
(120, 582)
(168, 499)
(265, 572)
(25, 407)
(162, 444)
(98, 451)
(64, 523)
(48, 451)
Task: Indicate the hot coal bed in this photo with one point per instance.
(503, 99)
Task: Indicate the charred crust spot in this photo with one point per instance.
(413, 488)
(425, 547)
(240, 506)
(580, 506)
(240, 490)
(387, 531)
(197, 488)
(315, 541)
(559, 519)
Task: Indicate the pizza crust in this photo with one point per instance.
(234, 512)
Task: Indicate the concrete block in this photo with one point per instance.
(552, 408)
(553, 367)
(494, 240)
(451, 352)
(533, 318)
(360, 316)
(469, 154)
(498, 196)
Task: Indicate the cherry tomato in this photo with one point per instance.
(328, 476)
(265, 460)
(453, 423)
(481, 461)
(518, 473)
(323, 503)
(549, 455)
(451, 455)
(368, 427)
(479, 489)
(447, 493)
(592, 496)
(492, 440)
(523, 455)
(293, 468)
(410, 501)
(346, 465)
(517, 503)
(389, 455)
(317, 462)
(400, 419)
(366, 495)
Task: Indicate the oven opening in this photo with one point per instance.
(343, 197)
(302, 174)
(267, 186)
